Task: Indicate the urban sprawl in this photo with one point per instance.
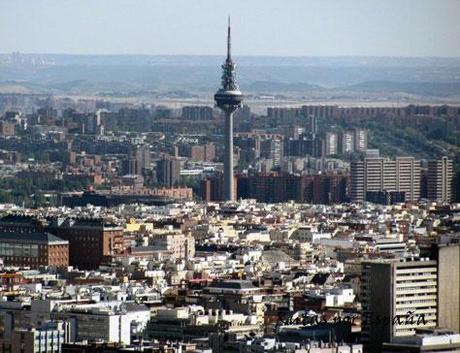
(129, 227)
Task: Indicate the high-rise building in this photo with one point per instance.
(357, 193)
(408, 178)
(138, 160)
(293, 132)
(229, 99)
(284, 114)
(197, 113)
(272, 149)
(346, 142)
(439, 180)
(168, 171)
(93, 124)
(360, 140)
(331, 144)
(397, 298)
(385, 197)
(324, 111)
(383, 174)
(304, 147)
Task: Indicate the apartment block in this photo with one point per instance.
(439, 180)
(382, 174)
(398, 297)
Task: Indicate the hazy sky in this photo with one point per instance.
(261, 27)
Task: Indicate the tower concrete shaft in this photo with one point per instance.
(228, 158)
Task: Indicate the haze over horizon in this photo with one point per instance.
(260, 28)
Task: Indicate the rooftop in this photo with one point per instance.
(32, 237)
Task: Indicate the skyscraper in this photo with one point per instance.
(439, 180)
(229, 99)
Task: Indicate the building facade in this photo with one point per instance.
(90, 240)
(382, 174)
(33, 249)
(168, 171)
(46, 339)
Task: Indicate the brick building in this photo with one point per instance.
(90, 240)
(33, 249)
(318, 188)
(206, 153)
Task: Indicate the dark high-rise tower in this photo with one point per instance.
(228, 98)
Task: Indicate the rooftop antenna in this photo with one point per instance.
(229, 41)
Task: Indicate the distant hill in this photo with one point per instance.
(441, 89)
(270, 86)
(438, 77)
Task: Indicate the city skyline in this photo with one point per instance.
(305, 28)
(176, 204)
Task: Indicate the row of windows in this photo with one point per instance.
(18, 250)
(31, 260)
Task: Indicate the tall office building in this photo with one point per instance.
(168, 171)
(229, 99)
(382, 174)
(391, 291)
(439, 180)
